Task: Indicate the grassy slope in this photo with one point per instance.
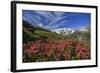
(33, 34)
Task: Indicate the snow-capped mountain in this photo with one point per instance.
(63, 31)
(66, 31)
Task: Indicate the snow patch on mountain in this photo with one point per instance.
(63, 31)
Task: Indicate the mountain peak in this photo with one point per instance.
(63, 31)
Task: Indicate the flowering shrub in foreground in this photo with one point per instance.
(47, 50)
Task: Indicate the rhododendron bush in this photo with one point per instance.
(48, 50)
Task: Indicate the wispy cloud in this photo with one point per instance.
(54, 19)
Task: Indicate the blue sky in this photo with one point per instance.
(54, 20)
